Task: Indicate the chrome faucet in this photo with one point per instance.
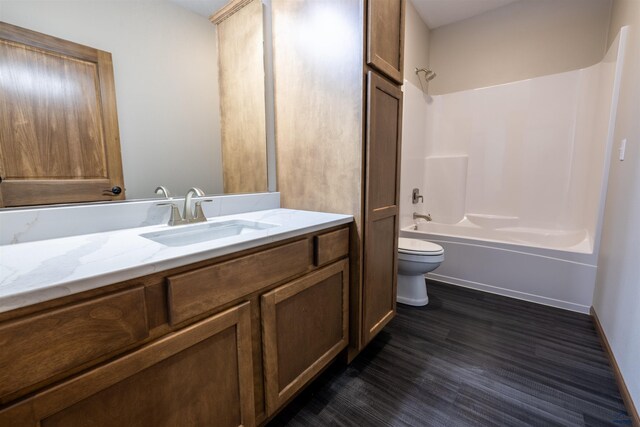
(163, 191)
(195, 215)
(426, 217)
(188, 215)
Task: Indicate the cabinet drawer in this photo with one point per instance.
(200, 375)
(204, 289)
(304, 327)
(40, 347)
(331, 246)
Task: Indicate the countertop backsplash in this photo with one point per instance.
(42, 223)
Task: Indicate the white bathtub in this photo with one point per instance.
(502, 229)
(495, 254)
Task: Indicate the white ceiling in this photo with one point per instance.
(201, 7)
(436, 13)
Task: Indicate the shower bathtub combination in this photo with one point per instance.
(514, 177)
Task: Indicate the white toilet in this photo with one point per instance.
(415, 258)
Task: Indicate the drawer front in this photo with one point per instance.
(198, 376)
(51, 343)
(304, 327)
(204, 289)
(331, 246)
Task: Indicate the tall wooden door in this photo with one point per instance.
(59, 138)
(385, 37)
(383, 141)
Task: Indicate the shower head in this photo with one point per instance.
(428, 74)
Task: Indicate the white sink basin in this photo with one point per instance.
(190, 234)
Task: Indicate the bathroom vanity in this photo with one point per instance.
(226, 338)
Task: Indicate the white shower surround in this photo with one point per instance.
(515, 176)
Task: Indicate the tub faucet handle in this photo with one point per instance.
(415, 196)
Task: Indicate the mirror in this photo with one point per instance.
(194, 101)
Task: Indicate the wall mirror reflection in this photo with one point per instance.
(106, 100)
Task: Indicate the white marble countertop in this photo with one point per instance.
(38, 271)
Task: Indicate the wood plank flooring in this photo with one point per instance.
(469, 359)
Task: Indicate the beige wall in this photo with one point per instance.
(525, 39)
(416, 44)
(617, 295)
(165, 64)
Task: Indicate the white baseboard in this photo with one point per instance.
(511, 293)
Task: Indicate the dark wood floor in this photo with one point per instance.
(469, 359)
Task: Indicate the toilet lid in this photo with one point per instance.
(416, 246)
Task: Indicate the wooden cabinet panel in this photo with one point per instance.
(242, 101)
(331, 246)
(59, 134)
(39, 347)
(384, 118)
(379, 296)
(304, 326)
(200, 375)
(385, 37)
(198, 291)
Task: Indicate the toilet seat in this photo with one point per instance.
(418, 247)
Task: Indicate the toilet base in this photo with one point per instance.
(412, 290)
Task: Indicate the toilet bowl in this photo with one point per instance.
(415, 258)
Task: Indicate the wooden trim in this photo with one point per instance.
(273, 396)
(110, 127)
(229, 9)
(382, 213)
(624, 391)
(245, 363)
(41, 192)
(270, 352)
(47, 43)
(375, 329)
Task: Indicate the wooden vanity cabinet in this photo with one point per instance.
(222, 342)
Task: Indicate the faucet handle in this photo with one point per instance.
(415, 196)
(176, 218)
(199, 212)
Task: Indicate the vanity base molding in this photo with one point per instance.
(227, 341)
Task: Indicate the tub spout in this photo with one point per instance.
(426, 217)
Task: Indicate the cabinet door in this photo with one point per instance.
(59, 135)
(201, 375)
(304, 326)
(385, 37)
(384, 119)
